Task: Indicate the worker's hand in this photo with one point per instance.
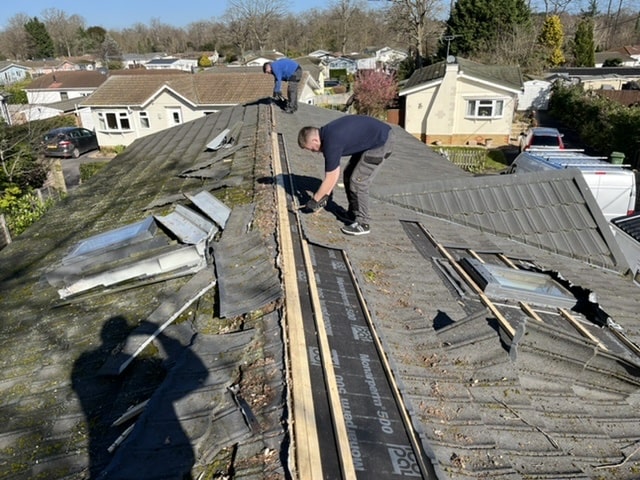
(313, 205)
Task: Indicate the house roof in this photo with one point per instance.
(79, 79)
(633, 72)
(505, 76)
(548, 403)
(226, 86)
(5, 65)
(603, 56)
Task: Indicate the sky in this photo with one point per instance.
(119, 14)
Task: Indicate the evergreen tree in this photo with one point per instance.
(39, 41)
(584, 52)
(551, 38)
(475, 25)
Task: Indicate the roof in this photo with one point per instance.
(633, 72)
(548, 403)
(501, 75)
(79, 79)
(5, 65)
(221, 87)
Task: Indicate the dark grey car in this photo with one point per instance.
(69, 142)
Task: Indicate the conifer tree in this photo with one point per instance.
(39, 41)
(475, 25)
(583, 44)
(551, 38)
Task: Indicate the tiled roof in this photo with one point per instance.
(553, 211)
(64, 79)
(549, 404)
(504, 75)
(228, 88)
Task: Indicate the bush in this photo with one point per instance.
(603, 125)
(21, 210)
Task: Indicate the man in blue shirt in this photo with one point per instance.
(369, 142)
(285, 69)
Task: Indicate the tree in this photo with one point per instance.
(64, 30)
(39, 42)
(373, 92)
(89, 40)
(583, 45)
(552, 38)
(416, 20)
(254, 18)
(13, 39)
(343, 13)
(109, 51)
(476, 25)
(204, 61)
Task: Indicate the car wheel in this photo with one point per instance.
(75, 153)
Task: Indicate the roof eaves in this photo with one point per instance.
(489, 83)
(166, 87)
(420, 87)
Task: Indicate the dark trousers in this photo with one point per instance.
(292, 88)
(358, 176)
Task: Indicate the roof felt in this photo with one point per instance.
(547, 404)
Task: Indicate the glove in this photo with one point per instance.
(314, 206)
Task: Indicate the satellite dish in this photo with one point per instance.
(451, 59)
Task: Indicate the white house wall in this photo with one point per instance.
(438, 112)
(52, 96)
(159, 112)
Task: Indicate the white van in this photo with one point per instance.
(612, 185)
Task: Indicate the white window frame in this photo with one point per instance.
(118, 121)
(174, 116)
(485, 108)
(145, 120)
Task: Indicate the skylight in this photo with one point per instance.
(506, 283)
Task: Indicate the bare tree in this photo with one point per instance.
(417, 19)
(344, 12)
(255, 18)
(63, 29)
(13, 39)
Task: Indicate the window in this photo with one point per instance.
(144, 120)
(484, 108)
(114, 121)
(64, 96)
(503, 283)
(174, 116)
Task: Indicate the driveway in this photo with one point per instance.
(71, 166)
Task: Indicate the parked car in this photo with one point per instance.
(541, 138)
(69, 142)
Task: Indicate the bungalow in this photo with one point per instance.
(621, 59)
(127, 107)
(12, 72)
(461, 102)
(44, 67)
(63, 85)
(591, 78)
(390, 56)
(139, 60)
(340, 64)
(172, 63)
